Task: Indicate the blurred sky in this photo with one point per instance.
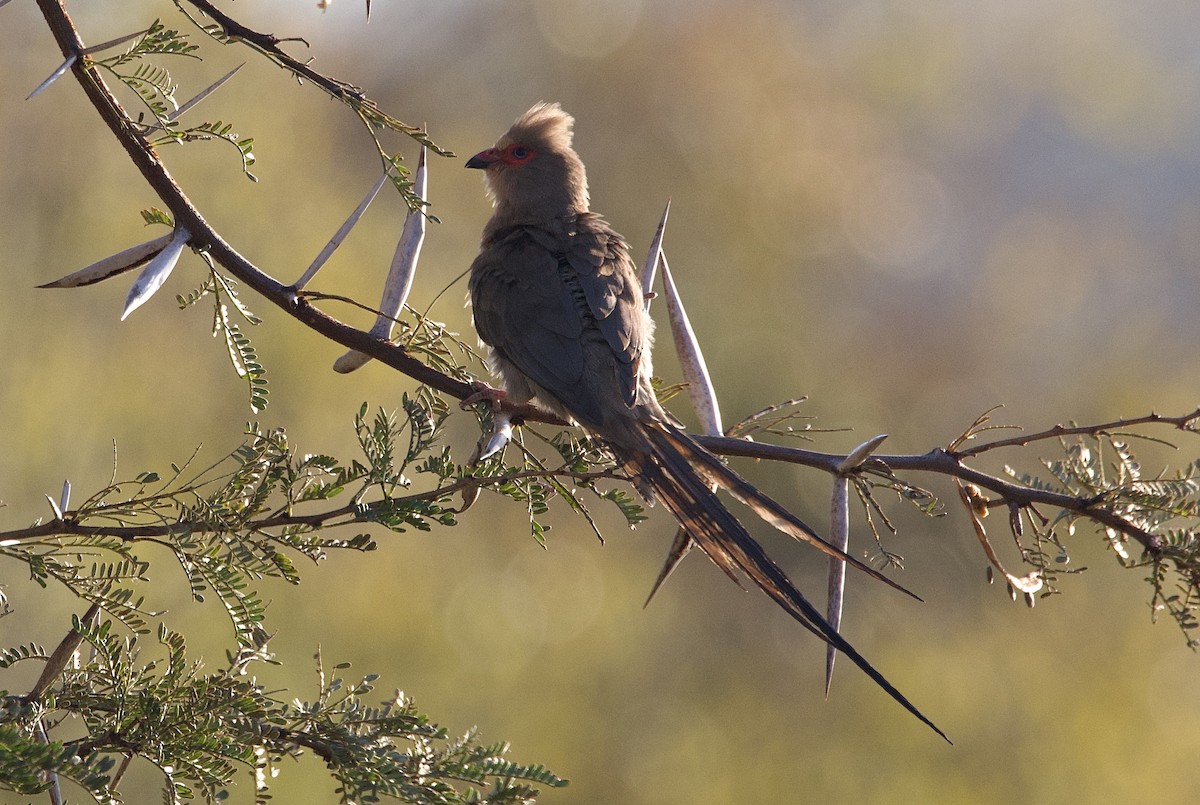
(908, 211)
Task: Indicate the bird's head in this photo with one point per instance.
(532, 172)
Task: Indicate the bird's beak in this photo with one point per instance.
(484, 159)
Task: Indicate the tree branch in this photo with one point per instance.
(944, 463)
(70, 526)
(1187, 422)
(206, 238)
(269, 44)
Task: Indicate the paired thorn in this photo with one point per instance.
(63, 504)
(202, 94)
(858, 455)
(74, 57)
(695, 372)
(502, 424)
(155, 274)
(691, 359)
(680, 548)
(651, 264)
(341, 234)
(54, 507)
(400, 274)
(57, 74)
(111, 266)
(501, 435)
(839, 537)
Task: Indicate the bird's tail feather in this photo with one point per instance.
(679, 471)
(680, 548)
(716, 472)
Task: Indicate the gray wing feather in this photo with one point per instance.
(527, 311)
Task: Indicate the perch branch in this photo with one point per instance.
(205, 237)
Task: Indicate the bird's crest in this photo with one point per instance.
(545, 126)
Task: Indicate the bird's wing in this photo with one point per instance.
(544, 302)
(599, 258)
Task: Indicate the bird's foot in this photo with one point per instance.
(483, 393)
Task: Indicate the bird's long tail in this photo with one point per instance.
(680, 471)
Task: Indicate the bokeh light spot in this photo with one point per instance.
(893, 214)
(587, 30)
(550, 596)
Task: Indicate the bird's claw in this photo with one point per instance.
(482, 392)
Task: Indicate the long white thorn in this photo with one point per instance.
(691, 359)
(408, 250)
(58, 515)
(839, 537)
(114, 42)
(699, 385)
(342, 232)
(204, 93)
(651, 264)
(500, 436)
(401, 273)
(156, 273)
(113, 265)
(57, 74)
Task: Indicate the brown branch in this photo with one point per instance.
(944, 463)
(352, 96)
(1185, 422)
(269, 44)
(206, 238)
(71, 527)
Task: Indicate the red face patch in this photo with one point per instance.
(516, 154)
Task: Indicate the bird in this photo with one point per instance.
(557, 302)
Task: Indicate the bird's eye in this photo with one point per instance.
(518, 154)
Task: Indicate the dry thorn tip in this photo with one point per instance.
(860, 454)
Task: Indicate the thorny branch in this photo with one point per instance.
(1185, 422)
(206, 239)
(69, 525)
(944, 462)
(1102, 508)
(269, 45)
(229, 29)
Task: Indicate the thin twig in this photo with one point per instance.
(1185, 422)
(355, 512)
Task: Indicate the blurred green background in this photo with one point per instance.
(909, 211)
